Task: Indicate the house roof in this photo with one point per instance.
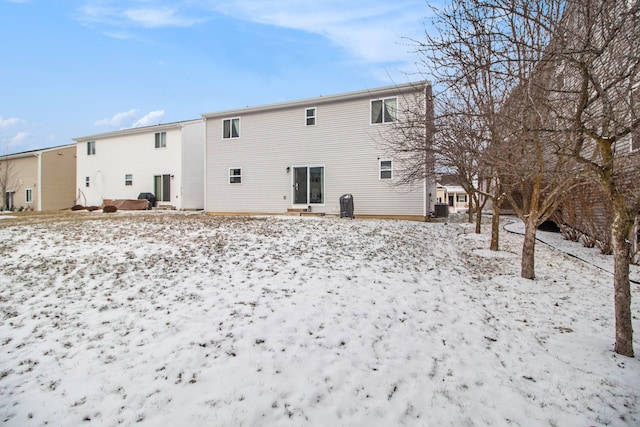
(367, 93)
(36, 152)
(138, 130)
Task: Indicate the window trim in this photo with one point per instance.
(28, 195)
(381, 170)
(313, 117)
(91, 148)
(160, 140)
(231, 177)
(230, 120)
(383, 115)
(128, 179)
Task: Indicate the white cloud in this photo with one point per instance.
(161, 17)
(373, 31)
(152, 16)
(12, 121)
(119, 119)
(20, 138)
(153, 118)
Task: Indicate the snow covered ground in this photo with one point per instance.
(169, 319)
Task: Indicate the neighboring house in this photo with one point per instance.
(39, 180)
(452, 194)
(304, 155)
(166, 160)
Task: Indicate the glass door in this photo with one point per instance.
(300, 186)
(308, 185)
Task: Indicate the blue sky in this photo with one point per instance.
(80, 67)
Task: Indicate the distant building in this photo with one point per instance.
(449, 192)
(39, 180)
(166, 160)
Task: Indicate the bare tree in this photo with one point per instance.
(491, 55)
(597, 98)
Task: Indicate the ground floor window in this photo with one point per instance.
(462, 198)
(8, 200)
(162, 187)
(28, 195)
(235, 175)
(386, 169)
(128, 179)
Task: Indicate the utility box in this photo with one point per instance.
(346, 206)
(442, 210)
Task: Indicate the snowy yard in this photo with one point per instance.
(188, 320)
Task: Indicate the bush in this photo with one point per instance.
(109, 209)
(77, 208)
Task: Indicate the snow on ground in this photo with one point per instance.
(193, 320)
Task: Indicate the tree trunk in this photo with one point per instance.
(478, 218)
(495, 227)
(622, 288)
(528, 249)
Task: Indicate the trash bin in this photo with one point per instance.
(151, 199)
(346, 206)
(442, 210)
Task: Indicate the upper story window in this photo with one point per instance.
(161, 139)
(231, 128)
(386, 169)
(310, 116)
(91, 148)
(384, 110)
(235, 175)
(128, 179)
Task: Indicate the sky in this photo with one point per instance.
(76, 68)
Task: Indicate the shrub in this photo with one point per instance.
(109, 209)
(77, 208)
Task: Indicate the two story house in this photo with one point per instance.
(166, 160)
(39, 180)
(304, 155)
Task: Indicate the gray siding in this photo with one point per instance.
(343, 141)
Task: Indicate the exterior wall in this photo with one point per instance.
(275, 140)
(133, 152)
(57, 178)
(22, 174)
(193, 166)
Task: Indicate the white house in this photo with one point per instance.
(166, 160)
(304, 155)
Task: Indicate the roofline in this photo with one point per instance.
(366, 93)
(138, 130)
(34, 153)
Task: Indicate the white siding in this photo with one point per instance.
(343, 141)
(133, 152)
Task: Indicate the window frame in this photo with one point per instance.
(381, 170)
(91, 148)
(28, 195)
(230, 133)
(160, 139)
(231, 178)
(128, 179)
(312, 117)
(383, 111)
